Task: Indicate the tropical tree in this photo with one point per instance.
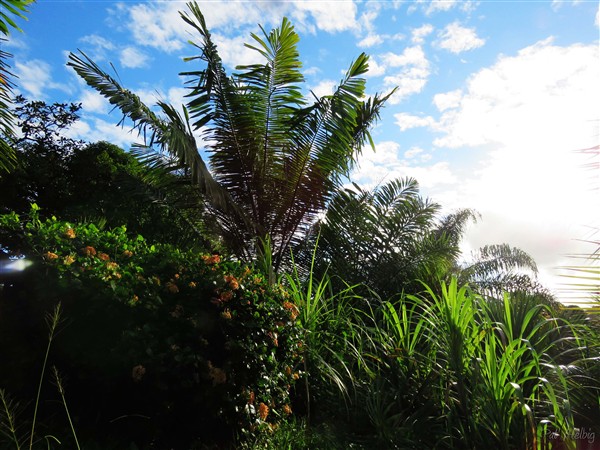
(9, 9)
(387, 238)
(99, 181)
(275, 158)
(498, 268)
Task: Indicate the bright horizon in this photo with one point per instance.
(494, 101)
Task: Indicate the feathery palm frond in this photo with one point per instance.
(275, 162)
(9, 9)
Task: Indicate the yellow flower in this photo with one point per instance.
(111, 265)
(51, 256)
(263, 411)
(296, 376)
(226, 314)
(127, 254)
(69, 260)
(70, 233)
(135, 299)
(192, 285)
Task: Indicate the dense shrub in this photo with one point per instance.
(193, 345)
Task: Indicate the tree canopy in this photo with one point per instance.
(275, 157)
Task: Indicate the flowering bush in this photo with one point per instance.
(202, 340)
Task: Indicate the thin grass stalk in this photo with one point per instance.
(61, 390)
(52, 320)
(9, 418)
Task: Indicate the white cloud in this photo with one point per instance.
(411, 56)
(458, 39)
(93, 102)
(447, 100)
(370, 40)
(328, 16)
(325, 87)
(95, 129)
(385, 164)
(413, 75)
(413, 152)
(440, 5)
(597, 20)
(233, 52)
(526, 115)
(99, 46)
(407, 121)
(312, 70)
(176, 96)
(375, 69)
(34, 76)
(156, 25)
(132, 57)
(419, 34)
(159, 24)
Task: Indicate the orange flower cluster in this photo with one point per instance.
(172, 287)
(88, 251)
(218, 375)
(210, 260)
(287, 409)
(273, 337)
(226, 314)
(232, 282)
(226, 296)
(138, 373)
(127, 254)
(177, 312)
(263, 411)
(50, 256)
(293, 309)
(192, 285)
(70, 233)
(103, 256)
(112, 265)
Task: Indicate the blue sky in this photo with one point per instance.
(494, 97)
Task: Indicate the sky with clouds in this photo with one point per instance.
(494, 102)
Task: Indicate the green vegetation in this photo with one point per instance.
(163, 305)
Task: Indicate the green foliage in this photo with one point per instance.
(9, 10)
(276, 161)
(387, 238)
(457, 371)
(98, 181)
(200, 338)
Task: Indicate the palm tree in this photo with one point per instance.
(275, 159)
(498, 268)
(388, 237)
(15, 8)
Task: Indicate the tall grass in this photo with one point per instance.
(10, 409)
(450, 369)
